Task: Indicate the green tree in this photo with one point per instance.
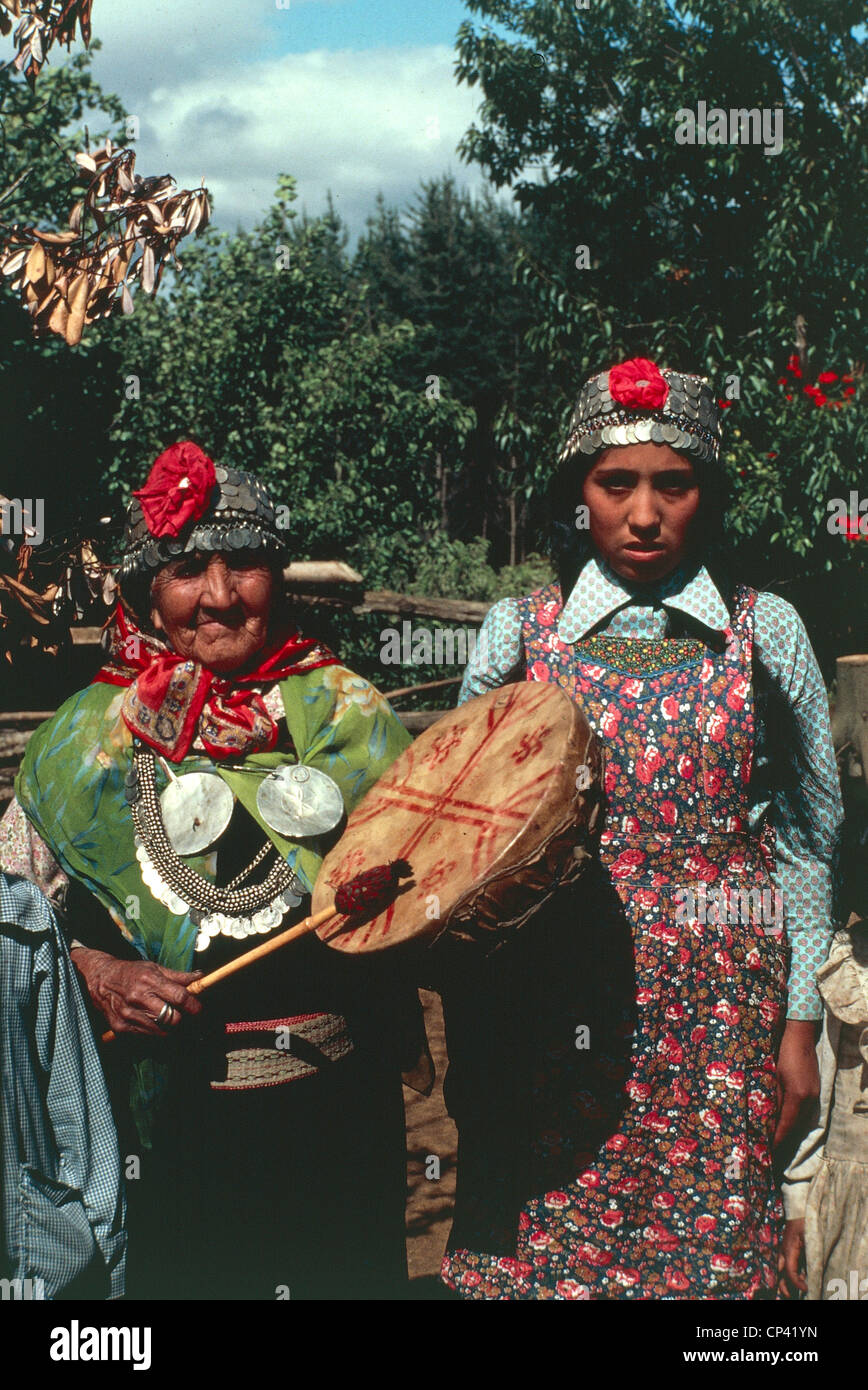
(57, 402)
(720, 255)
(263, 351)
(447, 266)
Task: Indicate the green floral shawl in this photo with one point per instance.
(71, 787)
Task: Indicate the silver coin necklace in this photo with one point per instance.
(236, 910)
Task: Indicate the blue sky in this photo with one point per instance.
(355, 96)
(365, 23)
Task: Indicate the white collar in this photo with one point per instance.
(599, 592)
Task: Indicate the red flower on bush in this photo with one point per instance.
(815, 391)
(178, 488)
(638, 383)
(817, 396)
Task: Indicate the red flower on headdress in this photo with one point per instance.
(638, 383)
(178, 488)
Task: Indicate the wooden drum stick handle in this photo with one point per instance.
(274, 943)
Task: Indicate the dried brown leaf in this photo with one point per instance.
(78, 297)
(55, 238)
(59, 316)
(35, 263)
(148, 269)
(134, 220)
(15, 261)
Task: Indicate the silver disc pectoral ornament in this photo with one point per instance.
(197, 808)
(192, 813)
(299, 801)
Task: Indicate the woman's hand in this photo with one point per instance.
(791, 1260)
(798, 1079)
(131, 994)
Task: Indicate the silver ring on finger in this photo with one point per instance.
(165, 1015)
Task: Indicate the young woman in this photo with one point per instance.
(619, 1075)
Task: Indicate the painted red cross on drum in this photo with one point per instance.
(485, 809)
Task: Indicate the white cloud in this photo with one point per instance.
(173, 39)
(213, 101)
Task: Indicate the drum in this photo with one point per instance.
(492, 806)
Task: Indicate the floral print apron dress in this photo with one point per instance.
(676, 1198)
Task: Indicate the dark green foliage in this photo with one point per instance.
(448, 267)
(701, 255)
(57, 403)
(282, 351)
(264, 353)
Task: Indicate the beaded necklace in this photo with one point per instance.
(234, 910)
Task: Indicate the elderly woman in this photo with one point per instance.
(182, 803)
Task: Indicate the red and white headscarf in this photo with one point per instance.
(171, 699)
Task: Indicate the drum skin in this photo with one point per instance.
(491, 808)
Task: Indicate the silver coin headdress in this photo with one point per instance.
(637, 402)
(233, 512)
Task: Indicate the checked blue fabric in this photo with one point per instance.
(61, 1191)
